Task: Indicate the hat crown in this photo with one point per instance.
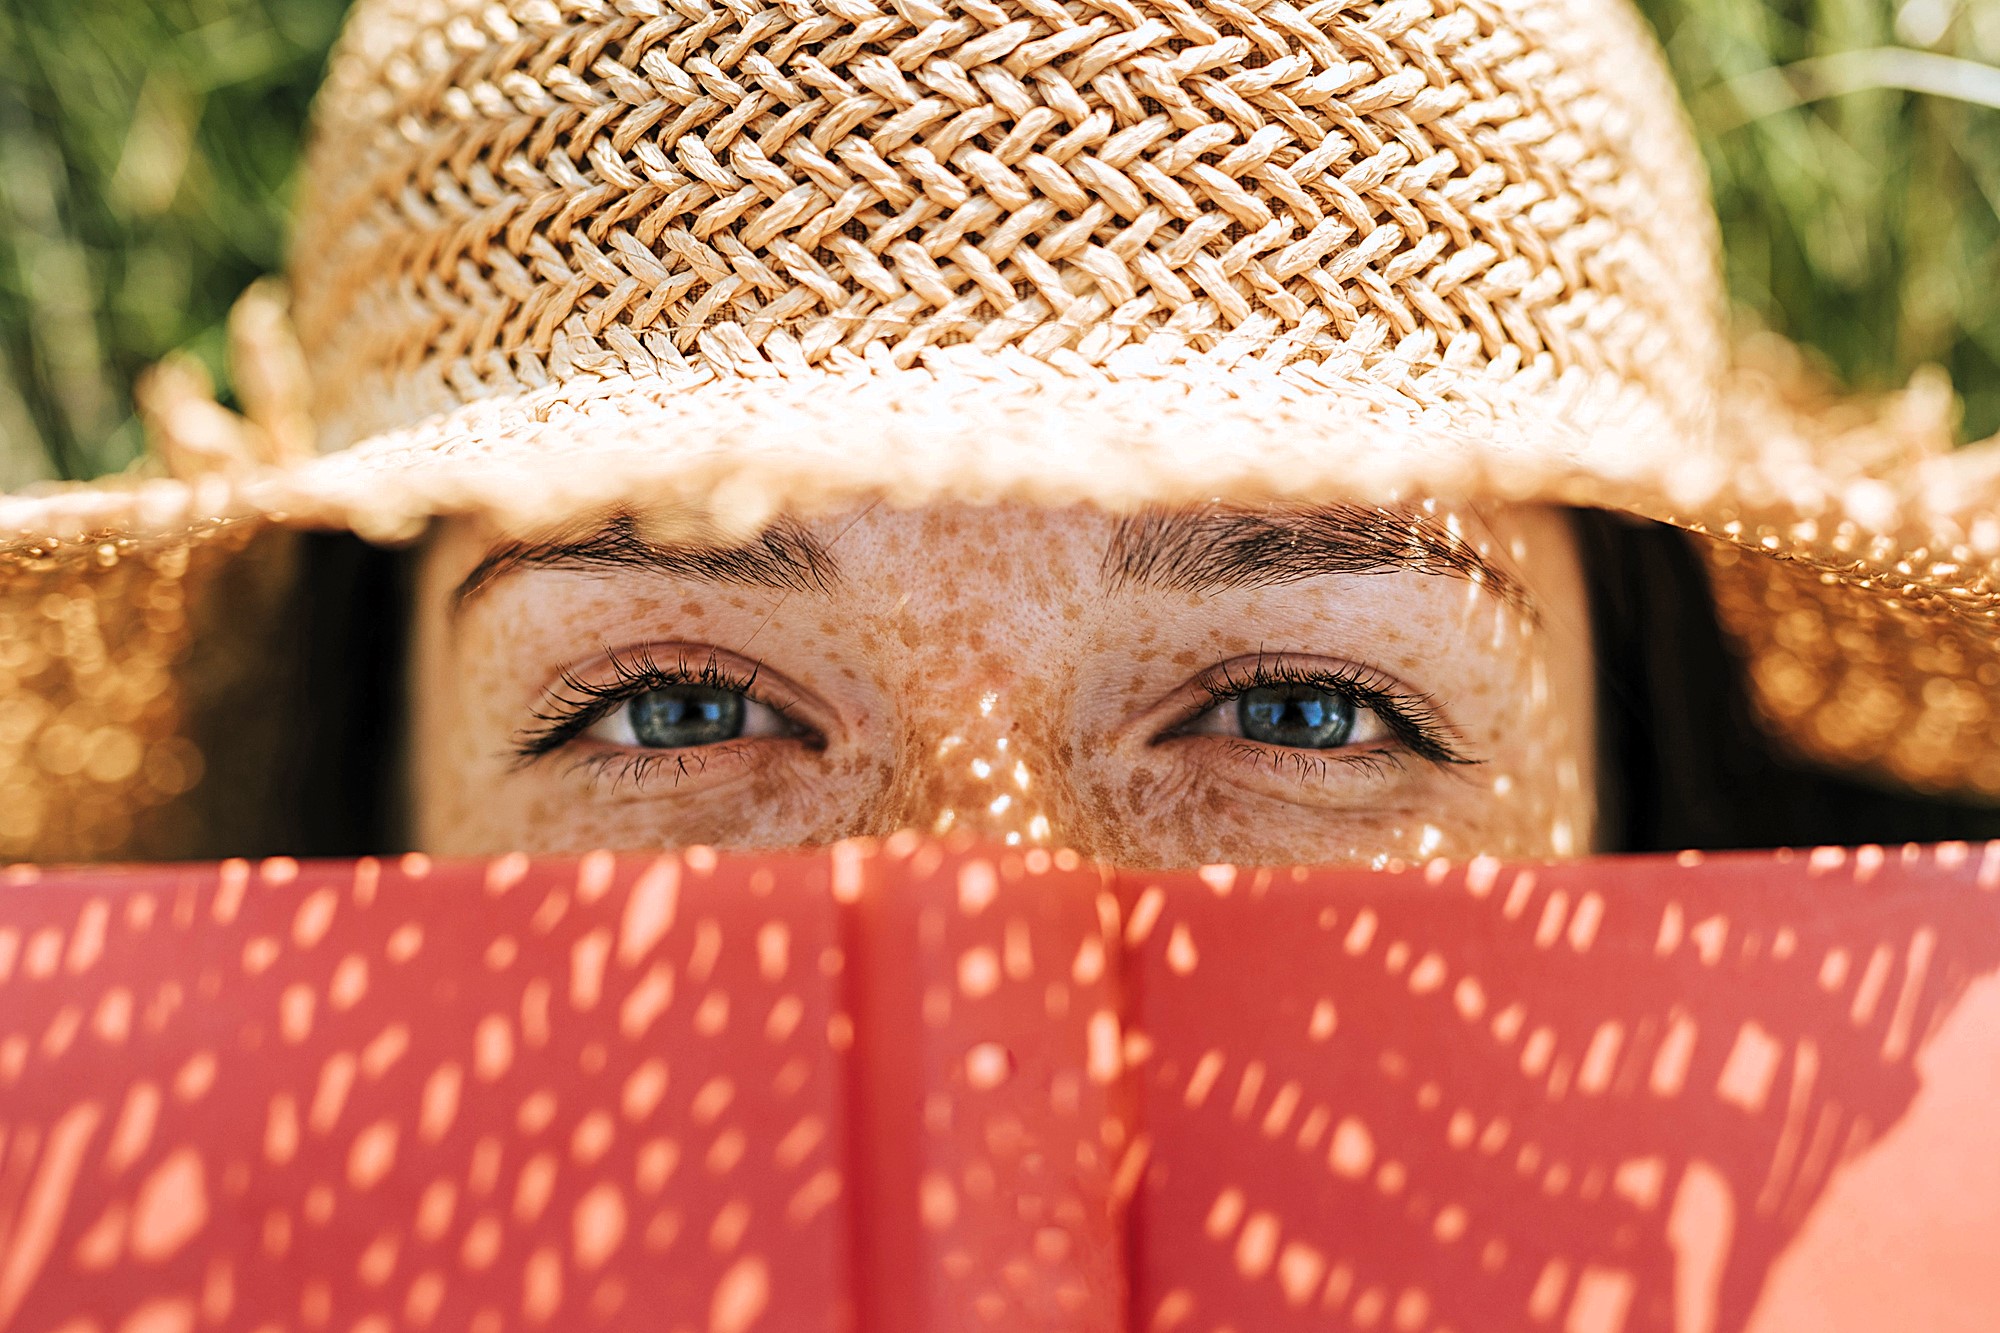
(502, 196)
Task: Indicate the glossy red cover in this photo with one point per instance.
(915, 1088)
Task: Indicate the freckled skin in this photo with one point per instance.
(973, 671)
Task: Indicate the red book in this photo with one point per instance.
(913, 1088)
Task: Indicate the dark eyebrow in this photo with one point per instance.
(784, 557)
(1213, 549)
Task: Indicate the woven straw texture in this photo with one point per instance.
(1450, 214)
(755, 257)
(506, 196)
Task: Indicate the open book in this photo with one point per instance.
(917, 1087)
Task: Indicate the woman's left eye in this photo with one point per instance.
(682, 717)
(1293, 716)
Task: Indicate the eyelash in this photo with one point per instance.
(1413, 719)
(576, 705)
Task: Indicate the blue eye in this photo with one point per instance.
(1299, 717)
(1293, 715)
(683, 715)
(686, 717)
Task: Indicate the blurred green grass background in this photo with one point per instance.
(147, 151)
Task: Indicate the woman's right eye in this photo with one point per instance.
(683, 717)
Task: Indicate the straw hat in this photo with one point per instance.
(747, 256)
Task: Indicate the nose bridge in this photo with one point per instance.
(986, 763)
(981, 689)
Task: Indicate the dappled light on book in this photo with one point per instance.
(920, 1086)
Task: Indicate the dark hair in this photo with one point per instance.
(1683, 762)
(305, 759)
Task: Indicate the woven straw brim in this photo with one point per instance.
(986, 429)
(1868, 612)
(982, 428)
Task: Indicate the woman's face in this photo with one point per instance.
(1172, 688)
